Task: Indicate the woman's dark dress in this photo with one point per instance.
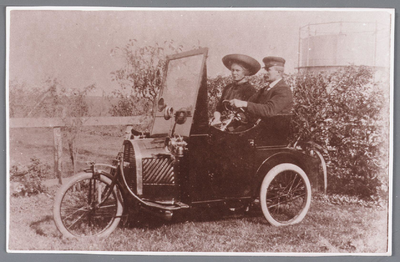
(227, 172)
(242, 91)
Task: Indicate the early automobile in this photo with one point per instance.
(185, 163)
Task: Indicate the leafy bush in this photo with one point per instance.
(342, 112)
(29, 178)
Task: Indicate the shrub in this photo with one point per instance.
(342, 112)
(30, 177)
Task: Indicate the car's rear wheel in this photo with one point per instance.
(82, 209)
(285, 195)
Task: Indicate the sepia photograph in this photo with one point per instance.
(200, 131)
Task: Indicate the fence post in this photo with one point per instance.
(128, 131)
(57, 153)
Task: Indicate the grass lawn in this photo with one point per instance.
(327, 228)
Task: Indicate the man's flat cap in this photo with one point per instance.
(248, 62)
(273, 61)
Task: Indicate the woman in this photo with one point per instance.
(241, 66)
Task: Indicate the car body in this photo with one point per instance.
(185, 163)
(194, 164)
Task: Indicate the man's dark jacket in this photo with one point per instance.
(275, 101)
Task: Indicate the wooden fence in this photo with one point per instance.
(58, 123)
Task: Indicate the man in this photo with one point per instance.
(275, 98)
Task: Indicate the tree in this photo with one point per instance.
(140, 78)
(75, 109)
(23, 98)
(16, 98)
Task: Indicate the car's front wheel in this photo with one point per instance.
(82, 208)
(285, 195)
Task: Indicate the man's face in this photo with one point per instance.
(271, 74)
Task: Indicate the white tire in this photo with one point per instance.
(285, 195)
(77, 212)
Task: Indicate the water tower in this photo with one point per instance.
(329, 46)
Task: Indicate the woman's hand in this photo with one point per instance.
(216, 119)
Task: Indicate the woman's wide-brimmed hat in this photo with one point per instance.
(248, 62)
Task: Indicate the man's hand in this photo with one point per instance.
(238, 103)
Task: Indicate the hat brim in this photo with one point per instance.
(250, 63)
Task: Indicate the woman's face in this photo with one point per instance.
(238, 72)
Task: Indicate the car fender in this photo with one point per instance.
(268, 160)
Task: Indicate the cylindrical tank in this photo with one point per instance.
(330, 46)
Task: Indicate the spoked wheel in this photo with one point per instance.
(82, 209)
(285, 195)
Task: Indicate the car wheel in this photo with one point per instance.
(81, 210)
(285, 195)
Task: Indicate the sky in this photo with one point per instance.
(75, 46)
